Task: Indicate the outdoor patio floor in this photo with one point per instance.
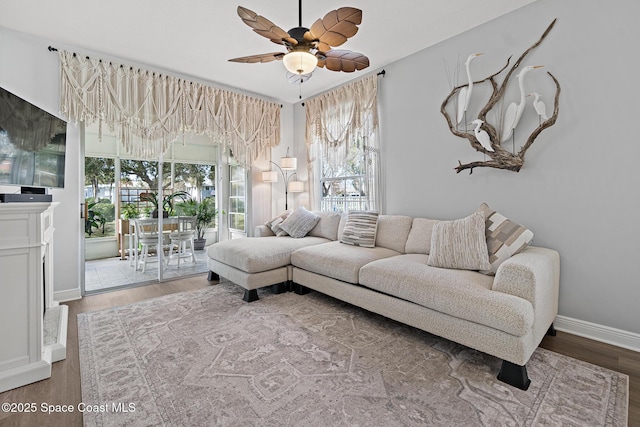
(103, 274)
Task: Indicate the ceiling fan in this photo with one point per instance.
(309, 47)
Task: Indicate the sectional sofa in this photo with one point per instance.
(505, 312)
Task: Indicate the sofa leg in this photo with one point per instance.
(250, 295)
(300, 290)
(212, 276)
(551, 331)
(278, 288)
(288, 285)
(514, 375)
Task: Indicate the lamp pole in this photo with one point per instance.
(286, 177)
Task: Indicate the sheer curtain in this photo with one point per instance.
(335, 120)
(148, 111)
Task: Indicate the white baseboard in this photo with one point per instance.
(67, 295)
(605, 334)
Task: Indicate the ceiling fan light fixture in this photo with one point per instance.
(300, 62)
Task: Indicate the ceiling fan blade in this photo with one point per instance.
(264, 57)
(263, 26)
(344, 60)
(337, 26)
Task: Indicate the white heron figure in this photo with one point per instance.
(481, 135)
(515, 110)
(539, 106)
(465, 93)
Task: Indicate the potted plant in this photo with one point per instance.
(130, 211)
(205, 213)
(167, 202)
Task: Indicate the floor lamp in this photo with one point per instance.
(290, 185)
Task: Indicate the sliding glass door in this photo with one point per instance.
(120, 189)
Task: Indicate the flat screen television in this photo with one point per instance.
(32, 144)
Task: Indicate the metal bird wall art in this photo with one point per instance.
(539, 106)
(481, 135)
(514, 110)
(487, 137)
(464, 96)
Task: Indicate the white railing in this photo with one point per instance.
(343, 204)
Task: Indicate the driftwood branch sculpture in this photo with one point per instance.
(500, 158)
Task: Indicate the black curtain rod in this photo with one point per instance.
(53, 49)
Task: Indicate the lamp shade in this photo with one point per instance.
(288, 163)
(300, 62)
(296, 187)
(270, 176)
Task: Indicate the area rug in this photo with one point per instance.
(207, 358)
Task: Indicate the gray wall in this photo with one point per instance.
(578, 190)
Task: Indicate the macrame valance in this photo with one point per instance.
(148, 111)
(338, 115)
(27, 127)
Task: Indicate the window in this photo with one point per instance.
(343, 183)
(237, 198)
(344, 148)
(99, 197)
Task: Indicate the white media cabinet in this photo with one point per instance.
(33, 327)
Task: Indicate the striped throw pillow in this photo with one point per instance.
(274, 224)
(360, 229)
(505, 238)
(460, 244)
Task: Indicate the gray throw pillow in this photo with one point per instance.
(299, 223)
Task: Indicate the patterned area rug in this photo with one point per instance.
(207, 358)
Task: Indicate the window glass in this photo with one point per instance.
(237, 198)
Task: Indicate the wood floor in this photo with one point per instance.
(63, 388)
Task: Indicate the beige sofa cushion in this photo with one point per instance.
(393, 231)
(337, 260)
(328, 225)
(460, 244)
(460, 293)
(419, 240)
(257, 254)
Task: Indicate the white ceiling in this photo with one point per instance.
(195, 38)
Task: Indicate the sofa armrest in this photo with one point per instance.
(263, 231)
(534, 275)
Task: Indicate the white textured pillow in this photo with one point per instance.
(505, 238)
(299, 223)
(360, 229)
(460, 244)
